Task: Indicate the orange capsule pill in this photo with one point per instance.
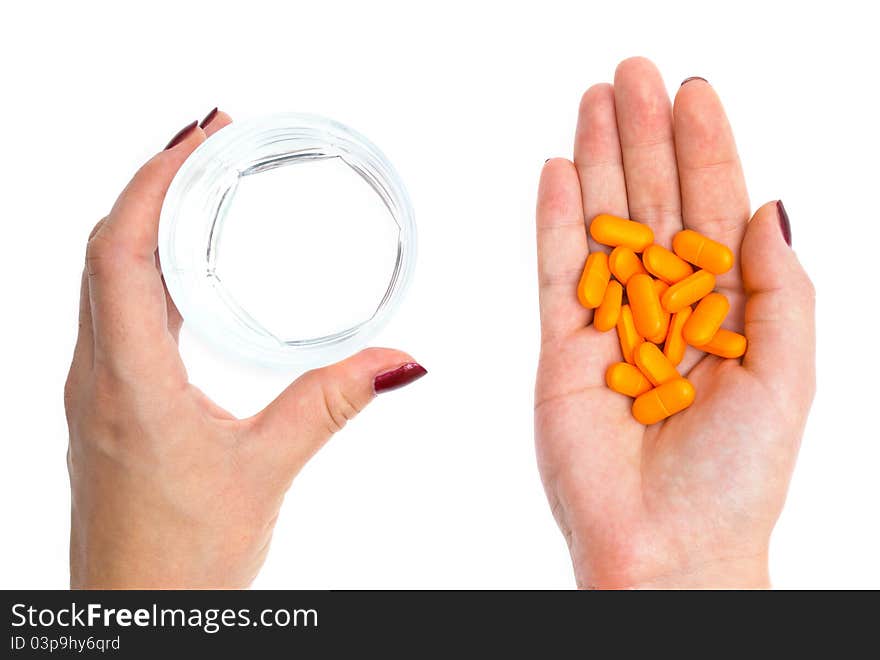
(726, 344)
(627, 334)
(706, 319)
(594, 280)
(702, 252)
(664, 264)
(626, 379)
(656, 366)
(675, 343)
(608, 312)
(663, 401)
(646, 309)
(614, 231)
(688, 291)
(624, 263)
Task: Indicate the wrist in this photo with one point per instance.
(740, 572)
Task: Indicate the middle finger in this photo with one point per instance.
(644, 121)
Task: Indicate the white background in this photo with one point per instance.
(436, 485)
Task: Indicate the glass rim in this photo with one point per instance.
(191, 223)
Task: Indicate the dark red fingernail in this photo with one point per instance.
(399, 377)
(181, 135)
(784, 224)
(208, 118)
(687, 80)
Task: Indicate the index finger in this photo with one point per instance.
(126, 292)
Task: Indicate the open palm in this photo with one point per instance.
(690, 501)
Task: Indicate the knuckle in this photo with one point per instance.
(70, 391)
(97, 227)
(97, 247)
(100, 249)
(94, 244)
(657, 215)
(339, 408)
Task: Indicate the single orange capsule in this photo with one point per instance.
(646, 309)
(664, 264)
(614, 231)
(675, 343)
(706, 319)
(688, 291)
(626, 379)
(627, 334)
(608, 312)
(656, 366)
(702, 252)
(624, 263)
(594, 280)
(726, 344)
(663, 401)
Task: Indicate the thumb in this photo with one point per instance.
(780, 310)
(319, 403)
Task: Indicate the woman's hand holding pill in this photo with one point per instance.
(168, 489)
(692, 499)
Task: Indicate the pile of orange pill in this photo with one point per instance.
(656, 320)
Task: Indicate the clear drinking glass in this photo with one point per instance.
(287, 240)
